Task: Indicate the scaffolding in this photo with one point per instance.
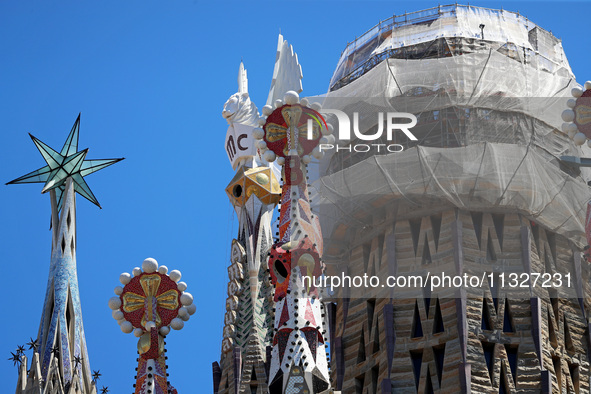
(489, 126)
(449, 30)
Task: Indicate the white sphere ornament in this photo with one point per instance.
(589, 143)
(324, 140)
(572, 127)
(304, 102)
(117, 314)
(571, 103)
(164, 330)
(175, 275)
(183, 311)
(281, 161)
(576, 92)
(580, 138)
(573, 131)
(317, 153)
(176, 324)
(278, 103)
(126, 327)
(114, 303)
(186, 317)
(150, 265)
(137, 271)
(191, 309)
(258, 133)
(118, 290)
(262, 145)
(261, 121)
(269, 156)
(182, 286)
(149, 325)
(331, 139)
(291, 97)
(587, 85)
(306, 159)
(186, 298)
(267, 110)
(138, 332)
(124, 278)
(316, 107)
(163, 269)
(568, 115)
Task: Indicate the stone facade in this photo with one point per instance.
(462, 341)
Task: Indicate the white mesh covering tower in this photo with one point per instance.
(482, 191)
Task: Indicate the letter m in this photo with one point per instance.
(231, 147)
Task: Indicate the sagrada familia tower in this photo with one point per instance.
(486, 186)
(275, 326)
(489, 186)
(60, 362)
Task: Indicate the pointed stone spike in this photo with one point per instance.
(22, 374)
(242, 79)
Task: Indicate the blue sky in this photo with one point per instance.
(150, 79)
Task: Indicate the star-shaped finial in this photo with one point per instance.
(69, 162)
(96, 375)
(104, 390)
(20, 350)
(15, 358)
(77, 361)
(33, 344)
(55, 351)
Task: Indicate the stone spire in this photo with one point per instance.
(291, 133)
(60, 362)
(253, 192)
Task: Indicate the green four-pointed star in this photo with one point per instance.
(68, 163)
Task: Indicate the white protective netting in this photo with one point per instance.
(402, 36)
(490, 177)
(489, 124)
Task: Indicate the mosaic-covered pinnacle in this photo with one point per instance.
(151, 298)
(69, 162)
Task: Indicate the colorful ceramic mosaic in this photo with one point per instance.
(151, 302)
(291, 133)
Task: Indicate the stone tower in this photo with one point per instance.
(60, 362)
(483, 191)
(253, 192)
